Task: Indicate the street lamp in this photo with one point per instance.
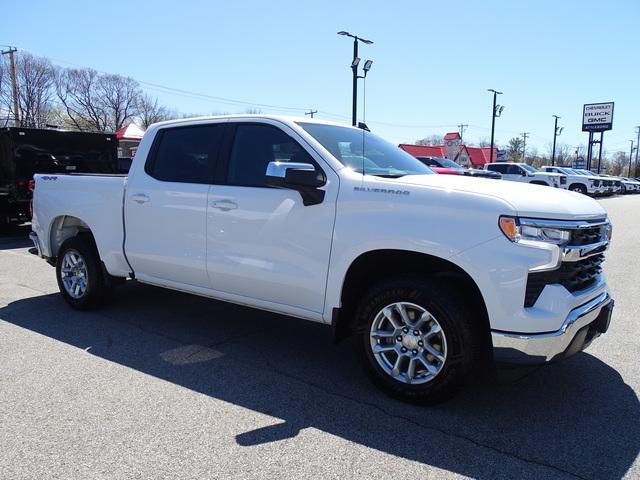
(354, 69)
(556, 132)
(495, 112)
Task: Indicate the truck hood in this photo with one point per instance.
(527, 200)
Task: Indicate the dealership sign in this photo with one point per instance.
(597, 117)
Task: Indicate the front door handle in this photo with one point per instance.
(140, 198)
(223, 204)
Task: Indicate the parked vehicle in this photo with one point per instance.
(608, 187)
(522, 172)
(445, 166)
(615, 183)
(25, 151)
(629, 185)
(435, 275)
(578, 182)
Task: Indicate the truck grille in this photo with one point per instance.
(573, 276)
(596, 183)
(587, 236)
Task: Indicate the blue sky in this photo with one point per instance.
(433, 61)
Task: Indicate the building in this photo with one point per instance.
(128, 140)
(454, 149)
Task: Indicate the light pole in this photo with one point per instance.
(556, 133)
(495, 112)
(354, 68)
(637, 145)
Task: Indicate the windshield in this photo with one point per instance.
(528, 168)
(450, 163)
(358, 149)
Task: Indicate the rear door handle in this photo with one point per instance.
(223, 204)
(140, 198)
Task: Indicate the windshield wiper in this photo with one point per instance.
(389, 175)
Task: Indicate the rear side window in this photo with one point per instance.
(186, 154)
(254, 146)
(497, 168)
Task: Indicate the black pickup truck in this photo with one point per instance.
(26, 151)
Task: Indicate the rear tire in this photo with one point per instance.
(79, 273)
(400, 352)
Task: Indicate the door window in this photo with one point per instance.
(513, 170)
(254, 146)
(498, 168)
(186, 154)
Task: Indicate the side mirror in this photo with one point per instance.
(302, 177)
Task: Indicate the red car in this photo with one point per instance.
(445, 166)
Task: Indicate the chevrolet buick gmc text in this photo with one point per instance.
(434, 276)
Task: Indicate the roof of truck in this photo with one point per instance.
(280, 118)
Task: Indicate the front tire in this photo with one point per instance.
(578, 188)
(416, 340)
(79, 274)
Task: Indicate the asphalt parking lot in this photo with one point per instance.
(161, 384)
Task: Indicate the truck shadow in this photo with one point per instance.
(575, 418)
(15, 236)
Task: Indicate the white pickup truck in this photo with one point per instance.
(578, 182)
(522, 172)
(434, 275)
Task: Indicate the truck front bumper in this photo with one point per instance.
(580, 327)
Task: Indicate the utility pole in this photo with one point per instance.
(525, 135)
(494, 114)
(555, 134)
(461, 128)
(311, 112)
(631, 155)
(14, 81)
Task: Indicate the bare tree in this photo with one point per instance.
(563, 153)
(120, 95)
(618, 163)
(431, 140)
(78, 92)
(149, 111)
(483, 142)
(35, 89)
(34, 77)
(94, 101)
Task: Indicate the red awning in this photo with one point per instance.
(130, 132)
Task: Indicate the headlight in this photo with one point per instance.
(512, 228)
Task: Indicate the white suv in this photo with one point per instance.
(522, 172)
(578, 182)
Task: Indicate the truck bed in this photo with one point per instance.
(94, 198)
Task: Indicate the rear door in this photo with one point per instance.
(263, 244)
(166, 205)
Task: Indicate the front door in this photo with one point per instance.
(263, 244)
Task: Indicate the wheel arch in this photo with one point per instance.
(370, 267)
(64, 227)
